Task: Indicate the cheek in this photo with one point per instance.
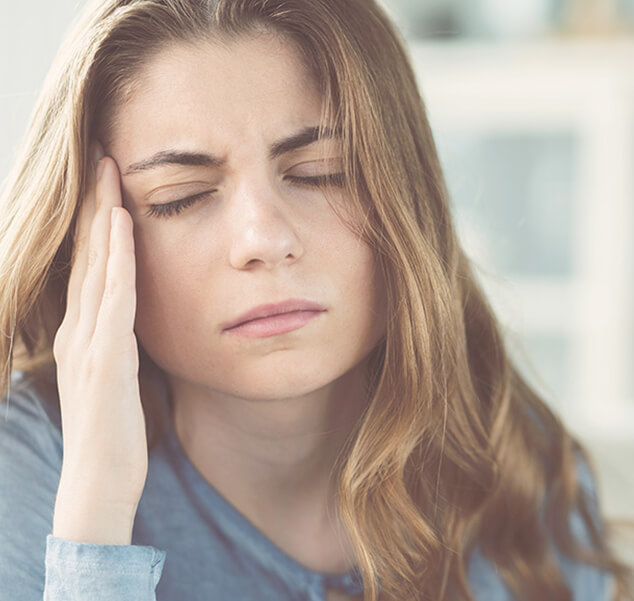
(170, 281)
(362, 287)
(166, 259)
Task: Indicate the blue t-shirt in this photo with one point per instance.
(188, 543)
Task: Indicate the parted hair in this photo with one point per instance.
(454, 450)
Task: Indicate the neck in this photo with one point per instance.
(272, 459)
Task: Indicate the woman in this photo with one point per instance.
(229, 229)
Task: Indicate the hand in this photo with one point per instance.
(105, 449)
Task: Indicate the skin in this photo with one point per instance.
(262, 419)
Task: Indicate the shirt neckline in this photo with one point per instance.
(263, 547)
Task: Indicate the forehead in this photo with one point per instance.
(255, 83)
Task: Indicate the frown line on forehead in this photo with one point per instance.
(300, 139)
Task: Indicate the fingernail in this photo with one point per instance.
(97, 151)
(98, 154)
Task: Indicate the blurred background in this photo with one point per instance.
(532, 106)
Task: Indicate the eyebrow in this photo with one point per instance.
(302, 138)
(173, 157)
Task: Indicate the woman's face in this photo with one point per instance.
(208, 122)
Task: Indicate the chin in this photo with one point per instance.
(276, 376)
(271, 387)
(290, 380)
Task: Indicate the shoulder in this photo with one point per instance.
(30, 464)
(586, 582)
(30, 414)
(30, 434)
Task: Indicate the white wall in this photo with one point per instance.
(30, 34)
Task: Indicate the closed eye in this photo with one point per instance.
(169, 209)
(327, 179)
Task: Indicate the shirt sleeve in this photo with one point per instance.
(35, 565)
(79, 571)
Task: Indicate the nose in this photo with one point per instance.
(261, 229)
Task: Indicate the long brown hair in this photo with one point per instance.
(454, 451)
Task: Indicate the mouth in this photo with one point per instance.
(274, 325)
(272, 309)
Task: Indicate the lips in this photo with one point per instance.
(262, 311)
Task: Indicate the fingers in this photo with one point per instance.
(107, 196)
(118, 303)
(80, 242)
(103, 267)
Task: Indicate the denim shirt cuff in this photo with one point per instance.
(80, 571)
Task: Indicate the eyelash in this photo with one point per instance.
(169, 209)
(166, 210)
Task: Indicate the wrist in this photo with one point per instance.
(82, 518)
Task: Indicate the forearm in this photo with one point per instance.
(82, 518)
